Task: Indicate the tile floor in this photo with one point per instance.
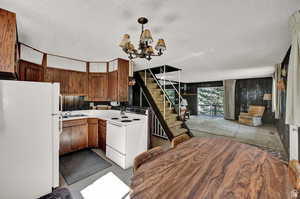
(75, 188)
(265, 137)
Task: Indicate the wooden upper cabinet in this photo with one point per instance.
(113, 86)
(118, 73)
(98, 83)
(30, 72)
(123, 74)
(71, 82)
(78, 83)
(8, 40)
(58, 76)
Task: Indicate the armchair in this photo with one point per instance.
(253, 117)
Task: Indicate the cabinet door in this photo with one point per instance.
(123, 74)
(59, 76)
(93, 132)
(82, 84)
(79, 137)
(113, 86)
(63, 78)
(7, 41)
(65, 141)
(78, 83)
(102, 134)
(33, 74)
(98, 87)
(30, 72)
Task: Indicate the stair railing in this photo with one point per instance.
(162, 88)
(180, 98)
(155, 126)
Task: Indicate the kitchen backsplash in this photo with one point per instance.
(72, 103)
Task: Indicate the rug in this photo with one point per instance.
(81, 164)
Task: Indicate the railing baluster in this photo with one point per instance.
(165, 91)
(179, 96)
(145, 77)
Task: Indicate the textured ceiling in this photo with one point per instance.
(208, 39)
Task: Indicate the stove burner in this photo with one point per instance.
(136, 119)
(124, 117)
(126, 121)
(114, 118)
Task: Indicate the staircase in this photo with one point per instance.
(165, 108)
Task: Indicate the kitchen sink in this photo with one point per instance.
(76, 115)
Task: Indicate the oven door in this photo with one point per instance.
(116, 137)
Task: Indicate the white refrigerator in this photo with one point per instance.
(30, 124)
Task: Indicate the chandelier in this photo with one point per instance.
(144, 50)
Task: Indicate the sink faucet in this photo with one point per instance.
(123, 109)
(67, 114)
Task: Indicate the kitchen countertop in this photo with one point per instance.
(106, 115)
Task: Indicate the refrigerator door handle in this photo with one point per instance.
(60, 124)
(60, 103)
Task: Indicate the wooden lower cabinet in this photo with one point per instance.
(65, 141)
(82, 133)
(74, 136)
(102, 134)
(93, 132)
(79, 137)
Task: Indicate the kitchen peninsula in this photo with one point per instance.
(109, 130)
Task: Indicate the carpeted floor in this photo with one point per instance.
(265, 137)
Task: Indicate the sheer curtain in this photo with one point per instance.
(229, 99)
(293, 86)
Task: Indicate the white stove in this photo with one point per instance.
(126, 138)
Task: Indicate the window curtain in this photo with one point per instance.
(293, 87)
(229, 99)
(276, 94)
(293, 79)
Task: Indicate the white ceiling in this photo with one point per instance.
(208, 39)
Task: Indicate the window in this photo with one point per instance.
(210, 101)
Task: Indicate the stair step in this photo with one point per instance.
(170, 117)
(161, 103)
(152, 85)
(178, 131)
(174, 124)
(142, 73)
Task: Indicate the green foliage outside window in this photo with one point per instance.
(210, 101)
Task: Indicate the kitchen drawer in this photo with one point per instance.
(93, 120)
(75, 122)
(115, 156)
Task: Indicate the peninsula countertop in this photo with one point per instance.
(105, 115)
